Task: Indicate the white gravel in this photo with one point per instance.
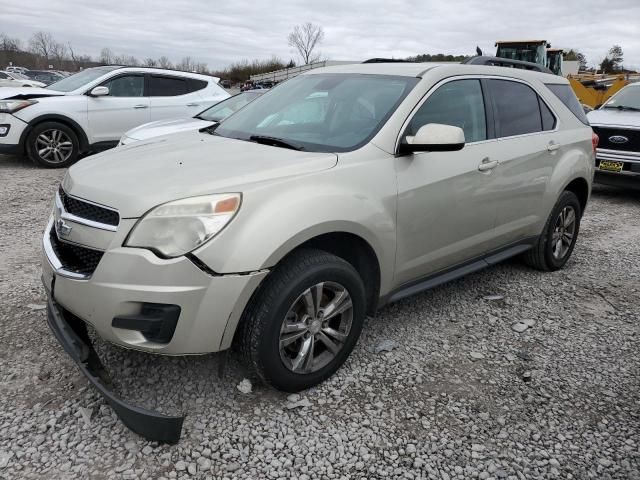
(460, 395)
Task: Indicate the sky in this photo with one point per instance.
(219, 32)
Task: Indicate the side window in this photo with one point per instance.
(4, 75)
(166, 86)
(517, 108)
(548, 120)
(458, 103)
(193, 85)
(126, 86)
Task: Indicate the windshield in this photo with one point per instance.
(226, 107)
(69, 84)
(321, 113)
(628, 97)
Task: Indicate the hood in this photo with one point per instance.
(163, 127)
(25, 93)
(135, 178)
(610, 116)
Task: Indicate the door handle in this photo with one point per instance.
(193, 104)
(487, 165)
(553, 146)
(141, 106)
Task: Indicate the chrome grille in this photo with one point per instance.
(88, 211)
(74, 258)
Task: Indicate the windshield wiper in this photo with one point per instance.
(623, 107)
(211, 129)
(275, 142)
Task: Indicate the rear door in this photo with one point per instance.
(124, 108)
(528, 145)
(175, 97)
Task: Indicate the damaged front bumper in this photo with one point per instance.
(73, 336)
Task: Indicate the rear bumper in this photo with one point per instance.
(629, 177)
(73, 337)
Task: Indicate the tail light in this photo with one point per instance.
(594, 141)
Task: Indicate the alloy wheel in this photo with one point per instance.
(54, 146)
(316, 327)
(563, 232)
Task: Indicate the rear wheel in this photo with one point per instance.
(555, 245)
(305, 320)
(53, 145)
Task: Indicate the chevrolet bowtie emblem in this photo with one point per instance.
(63, 228)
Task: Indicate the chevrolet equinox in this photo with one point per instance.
(279, 229)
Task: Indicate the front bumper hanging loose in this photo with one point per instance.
(75, 340)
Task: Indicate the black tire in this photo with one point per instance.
(62, 143)
(264, 317)
(541, 256)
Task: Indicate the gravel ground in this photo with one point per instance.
(455, 393)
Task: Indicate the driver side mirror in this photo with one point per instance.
(101, 91)
(434, 137)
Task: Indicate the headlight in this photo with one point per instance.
(176, 228)
(11, 106)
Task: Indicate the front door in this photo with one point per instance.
(447, 200)
(124, 108)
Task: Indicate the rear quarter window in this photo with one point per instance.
(566, 96)
(193, 85)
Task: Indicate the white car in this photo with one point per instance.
(207, 118)
(89, 111)
(16, 69)
(15, 79)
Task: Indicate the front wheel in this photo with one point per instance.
(305, 320)
(53, 145)
(555, 245)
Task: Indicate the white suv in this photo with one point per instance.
(90, 110)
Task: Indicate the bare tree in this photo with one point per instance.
(164, 62)
(43, 44)
(150, 62)
(305, 38)
(200, 67)
(59, 54)
(187, 64)
(74, 57)
(131, 61)
(9, 44)
(106, 56)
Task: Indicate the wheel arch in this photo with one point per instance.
(348, 246)
(580, 187)
(358, 252)
(52, 117)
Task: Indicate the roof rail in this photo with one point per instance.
(386, 60)
(506, 62)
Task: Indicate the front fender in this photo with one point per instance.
(276, 218)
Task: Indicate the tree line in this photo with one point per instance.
(42, 52)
